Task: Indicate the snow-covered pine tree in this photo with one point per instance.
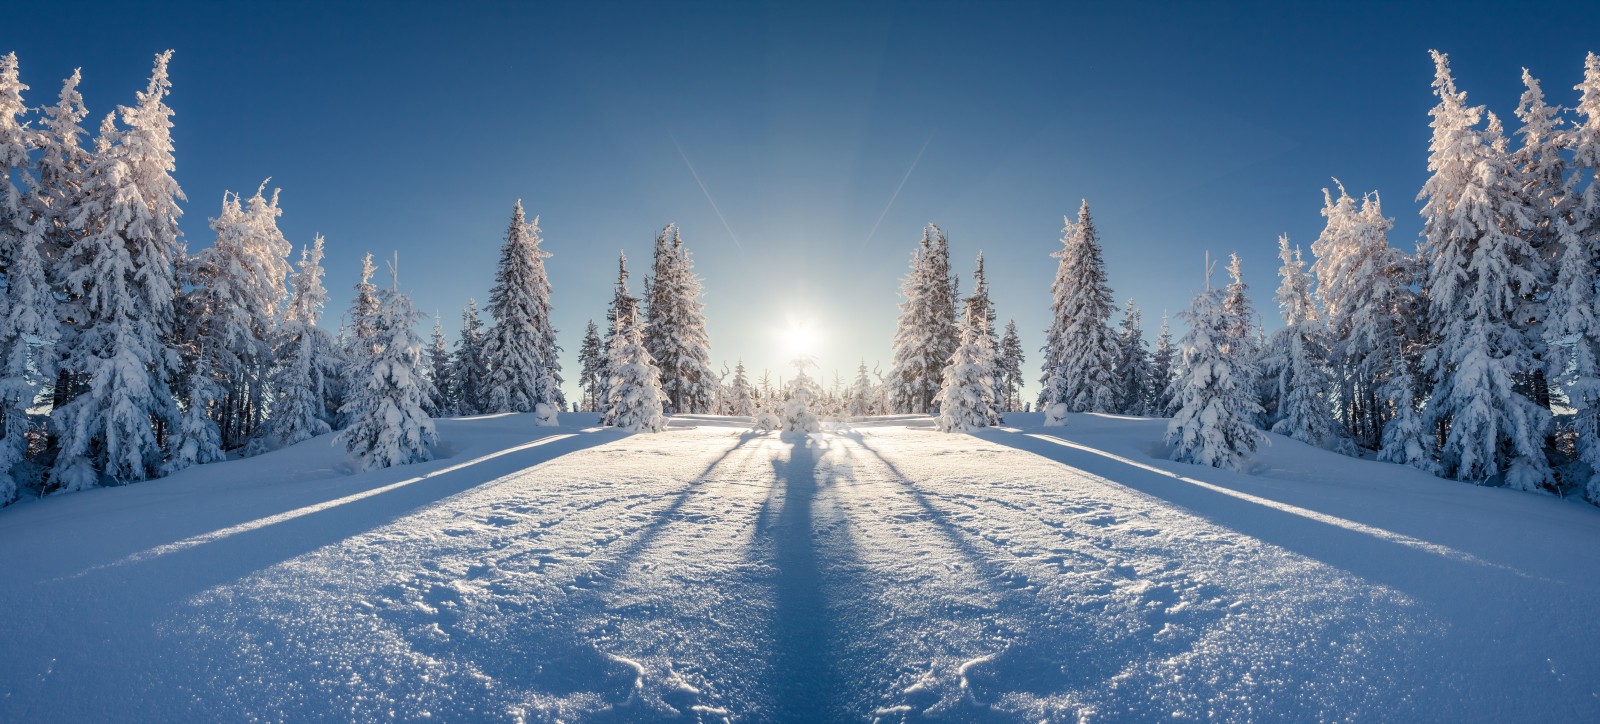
(967, 399)
(927, 329)
(388, 426)
(122, 270)
(308, 360)
(1008, 369)
(440, 402)
(797, 411)
(1133, 364)
(1541, 188)
(1213, 424)
(1572, 327)
(468, 368)
(1163, 368)
(741, 397)
(622, 305)
(1478, 273)
(863, 394)
(1295, 361)
(1080, 348)
(591, 363)
(1245, 333)
(524, 369)
(199, 440)
(231, 311)
(978, 305)
(363, 309)
(675, 329)
(27, 307)
(634, 397)
(57, 198)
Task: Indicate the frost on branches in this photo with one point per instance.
(521, 351)
(388, 426)
(926, 332)
(675, 329)
(1132, 371)
(1216, 407)
(634, 400)
(121, 270)
(1478, 272)
(1572, 327)
(796, 413)
(1294, 362)
(308, 360)
(1080, 350)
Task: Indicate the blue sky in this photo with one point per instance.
(412, 127)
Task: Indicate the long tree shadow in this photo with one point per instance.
(174, 576)
(568, 659)
(807, 685)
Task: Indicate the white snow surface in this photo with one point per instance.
(884, 572)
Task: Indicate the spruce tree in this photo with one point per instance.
(1295, 361)
(741, 397)
(469, 370)
(1080, 349)
(634, 396)
(1541, 190)
(1216, 409)
(441, 400)
(591, 362)
(199, 440)
(676, 326)
(863, 394)
(27, 306)
(798, 411)
(1572, 327)
(967, 399)
(927, 330)
(524, 369)
(1008, 369)
(388, 426)
(1478, 275)
(1163, 368)
(308, 360)
(1132, 370)
(122, 271)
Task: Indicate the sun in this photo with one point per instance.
(801, 338)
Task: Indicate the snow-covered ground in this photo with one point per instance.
(885, 572)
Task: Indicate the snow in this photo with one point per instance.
(883, 572)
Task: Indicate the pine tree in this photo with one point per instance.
(1080, 349)
(741, 400)
(363, 309)
(1295, 361)
(967, 399)
(388, 426)
(623, 305)
(591, 361)
(1163, 369)
(863, 394)
(122, 270)
(58, 199)
(1572, 328)
(441, 401)
(308, 360)
(1540, 188)
(1244, 331)
(469, 370)
(927, 332)
(676, 326)
(797, 412)
(1478, 275)
(1008, 369)
(634, 395)
(1215, 406)
(521, 347)
(199, 438)
(232, 310)
(1132, 370)
(27, 307)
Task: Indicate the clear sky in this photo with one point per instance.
(412, 127)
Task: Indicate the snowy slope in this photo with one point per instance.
(888, 571)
